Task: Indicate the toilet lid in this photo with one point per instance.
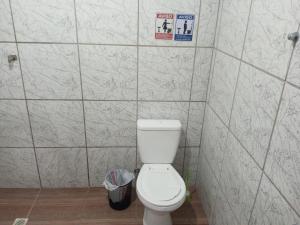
(161, 183)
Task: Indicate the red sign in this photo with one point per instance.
(164, 26)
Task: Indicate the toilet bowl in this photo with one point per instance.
(159, 186)
(161, 190)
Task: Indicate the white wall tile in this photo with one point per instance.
(44, 21)
(107, 22)
(110, 123)
(18, 168)
(191, 165)
(223, 84)
(254, 110)
(266, 43)
(62, 167)
(10, 75)
(233, 24)
(294, 71)
(201, 74)
(101, 160)
(6, 24)
(283, 161)
(222, 213)
(109, 72)
(179, 160)
(165, 73)
(57, 123)
(270, 207)
(14, 124)
(165, 110)
(239, 179)
(207, 186)
(147, 15)
(50, 71)
(207, 22)
(196, 113)
(213, 141)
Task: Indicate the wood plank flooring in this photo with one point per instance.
(82, 206)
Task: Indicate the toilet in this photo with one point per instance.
(159, 186)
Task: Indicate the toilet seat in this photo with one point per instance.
(160, 187)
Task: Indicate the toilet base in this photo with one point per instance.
(152, 217)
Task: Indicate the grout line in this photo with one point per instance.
(103, 44)
(208, 85)
(220, 188)
(94, 100)
(33, 203)
(82, 98)
(24, 91)
(245, 62)
(191, 87)
(270, 141)
(137, 81)
(240, 65)
(68, 147)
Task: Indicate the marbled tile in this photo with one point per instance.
(179, 160)
(14, 124)
(233, 24)
(147, 14)
(254, 110)
(283, 160)
(18, 168)
(223, 84)
(57, 123)
(110, 123)
(50, 71)
(196, 116)
(239, 179)
(207, 186)
(165, 73)
(44, 21)
(201, 74)
(271, 208)
(294, 71)
(207, 22)
(6, 24)
(222, 213)
(191, 164)
(166, 110)
(10, 76)
(107, 22)
(109, 72)
(266, 43)
(213, 140)
(101, 160)
(63, 167)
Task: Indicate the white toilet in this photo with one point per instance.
(159, 186)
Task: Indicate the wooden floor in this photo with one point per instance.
(81, 207)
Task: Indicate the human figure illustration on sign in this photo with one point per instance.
(165, 26)
(184, 27)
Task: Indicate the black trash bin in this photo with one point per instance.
(118, 183)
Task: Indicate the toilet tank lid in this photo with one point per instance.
(145, 124)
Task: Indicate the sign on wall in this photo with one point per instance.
(184, 27)
(164, 24)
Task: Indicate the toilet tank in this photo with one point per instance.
(158, 140)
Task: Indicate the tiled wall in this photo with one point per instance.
(249, 165)
(87, 70)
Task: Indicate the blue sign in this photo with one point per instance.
(184, 27)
